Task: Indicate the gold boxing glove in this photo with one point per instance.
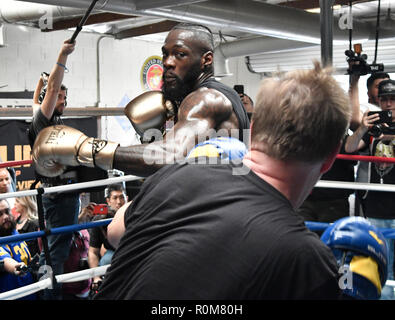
(59, 146)
(149, 111)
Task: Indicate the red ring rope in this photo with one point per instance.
(15, 163)
(365, 158)
(339, 156)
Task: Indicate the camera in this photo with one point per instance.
(379, 127)
(239, 88)
(361, 67)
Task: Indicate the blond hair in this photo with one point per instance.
(302, 115)
(29, 202)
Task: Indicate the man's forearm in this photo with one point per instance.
(144, 160)
(354, 142)
(10, 265)
(356, 115)
(93, 258)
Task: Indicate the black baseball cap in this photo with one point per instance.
(387, 88)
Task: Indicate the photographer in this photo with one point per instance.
(357, 66)
(379, 136)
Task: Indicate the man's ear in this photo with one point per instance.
(207, 60)
(330, 160)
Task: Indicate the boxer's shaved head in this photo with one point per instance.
(201, 34)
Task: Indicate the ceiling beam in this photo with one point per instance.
(92, 19)
(163, 26)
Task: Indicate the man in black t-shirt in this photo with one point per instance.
(100, 250)
(379, 206)
(60, 209)
(226, 231)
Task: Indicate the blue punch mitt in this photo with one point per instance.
(225, 148)
(361, 251)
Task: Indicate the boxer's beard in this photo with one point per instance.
(4, 232)
(182, 87)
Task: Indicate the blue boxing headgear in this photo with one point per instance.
(225, 148)
(361, 251)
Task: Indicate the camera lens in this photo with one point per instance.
(376, 131)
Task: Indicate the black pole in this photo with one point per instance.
(44, 239)
(82, 22)
(377, 32)
(326, 21)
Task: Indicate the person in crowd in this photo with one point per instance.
(248, 104)
(100, 250)
(14, 257)
(6, 184)
(60, 209)
(201, 108)
(230, 231)
(27, 220)
(358, 109)
(378, 205)
(77, 261)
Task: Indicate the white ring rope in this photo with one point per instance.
(46, 283)
(96, 183)
(355, 185)
(70, 187)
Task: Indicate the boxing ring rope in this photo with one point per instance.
(99, 271)
(15, 163)
(339, 156)
(47, 282)
(70, 187)
(59, 230)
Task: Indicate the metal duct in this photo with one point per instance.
(301, 58)
(117, 6)
(261, 18)
(12, 11)
(239, 48)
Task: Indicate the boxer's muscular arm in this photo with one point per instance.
(199, 115)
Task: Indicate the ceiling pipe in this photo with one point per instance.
(117, 6)
(238, 48)
(261, 18)
(13, 11)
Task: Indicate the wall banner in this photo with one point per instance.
(151, 73)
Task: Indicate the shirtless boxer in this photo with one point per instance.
(203, 108)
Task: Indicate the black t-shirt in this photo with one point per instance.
(380, 204)
(98, 235)
(40, 122)
(199, 232)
